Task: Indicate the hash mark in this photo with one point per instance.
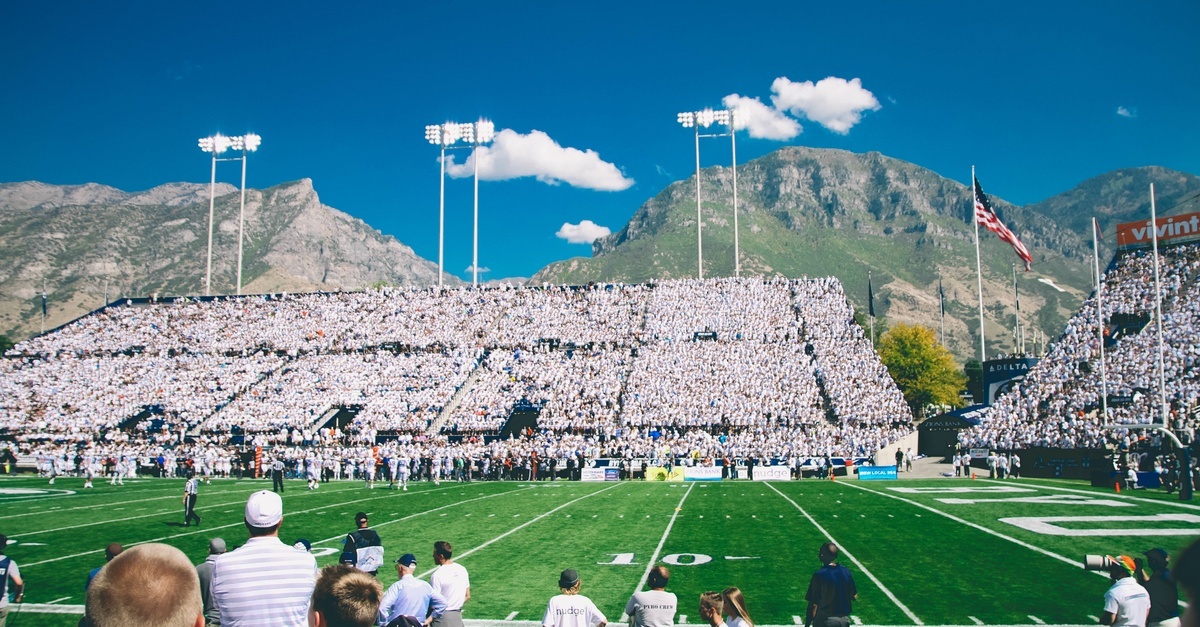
(1036, 620)
(979, 622)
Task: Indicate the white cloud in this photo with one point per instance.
(513, 155)
(482, 270)
(585, 232)
(763, 122)
(835, 103)
(1126, 113)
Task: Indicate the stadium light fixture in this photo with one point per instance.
(445, 136)
(704, 119)
(217, 145)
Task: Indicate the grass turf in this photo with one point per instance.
(919, 557)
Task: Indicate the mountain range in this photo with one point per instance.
(801, 212)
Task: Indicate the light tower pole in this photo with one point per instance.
(445, 135)
(706, 118)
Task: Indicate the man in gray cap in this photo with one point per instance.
(265, 582)
(410, 597)
(216, 547)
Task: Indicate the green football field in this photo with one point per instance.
(923, 552)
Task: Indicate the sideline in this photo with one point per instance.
(662, 541)
(857, 563)
(520, 527)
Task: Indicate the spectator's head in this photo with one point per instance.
(264, 513)
(150, 585)
(711, 606)
(828, 553)
(360, 519)
(659, 576)
(1187, 574)
(442, 552)
(3, 543)
(569, 582)
(1157, 559)
(112, 551)
(1121, 566)
(216, 546)
(406, 564)
(344, 597)
(735, 605)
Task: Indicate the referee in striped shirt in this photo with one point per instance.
(189, 500)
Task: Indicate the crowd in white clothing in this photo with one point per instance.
(1059, 402)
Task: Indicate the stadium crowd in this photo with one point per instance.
(1058, 403)
(700, 369)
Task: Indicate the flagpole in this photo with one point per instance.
(871, 307)
(1162, 382)
(1100, 318)
(942, 308)
(978, 271)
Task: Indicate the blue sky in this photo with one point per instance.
(1039, 96)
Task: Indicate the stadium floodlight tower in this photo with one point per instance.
(445, 135)
(246, 143)
(706, 118)
(215, 145)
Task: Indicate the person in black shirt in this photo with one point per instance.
(364, 548)
(1164, 595)
(830, 591)
(277, 475)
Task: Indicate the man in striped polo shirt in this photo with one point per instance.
(265, 582)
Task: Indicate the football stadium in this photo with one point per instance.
(606, 314)
(726, 428)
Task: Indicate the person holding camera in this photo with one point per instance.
(1126, 604)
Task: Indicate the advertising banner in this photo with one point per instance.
(1171, 230)
(772, 473)
(877, 473)
(702, 473)
(593, 474)
(612, 474)
(658, 473)
(1001, 375)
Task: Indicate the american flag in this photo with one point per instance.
(986, 217)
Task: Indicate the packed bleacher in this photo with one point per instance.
(1059, 403)
(700, 369)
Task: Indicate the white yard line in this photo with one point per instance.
(1036, 620)
(857, 563)
(999, 535)
(662, 541)
(430, 511)
(975, 620)
(511, 615)
(1113, 495)
(522, 526)
(57, 600)
(236, 524)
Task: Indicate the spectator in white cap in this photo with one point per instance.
(265, 582)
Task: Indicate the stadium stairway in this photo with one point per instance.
(444, 415)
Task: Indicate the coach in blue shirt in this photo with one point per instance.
(830, 592)
(410, 597)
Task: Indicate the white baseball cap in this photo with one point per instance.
(264, 509)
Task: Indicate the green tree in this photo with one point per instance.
(5, 344)
(922, 368)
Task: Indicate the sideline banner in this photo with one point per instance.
(772, 473)
(702, 473)
(592, 474)
(877, 473)
(612, 474)
(658, 473)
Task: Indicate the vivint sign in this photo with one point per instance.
(1172, 230)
